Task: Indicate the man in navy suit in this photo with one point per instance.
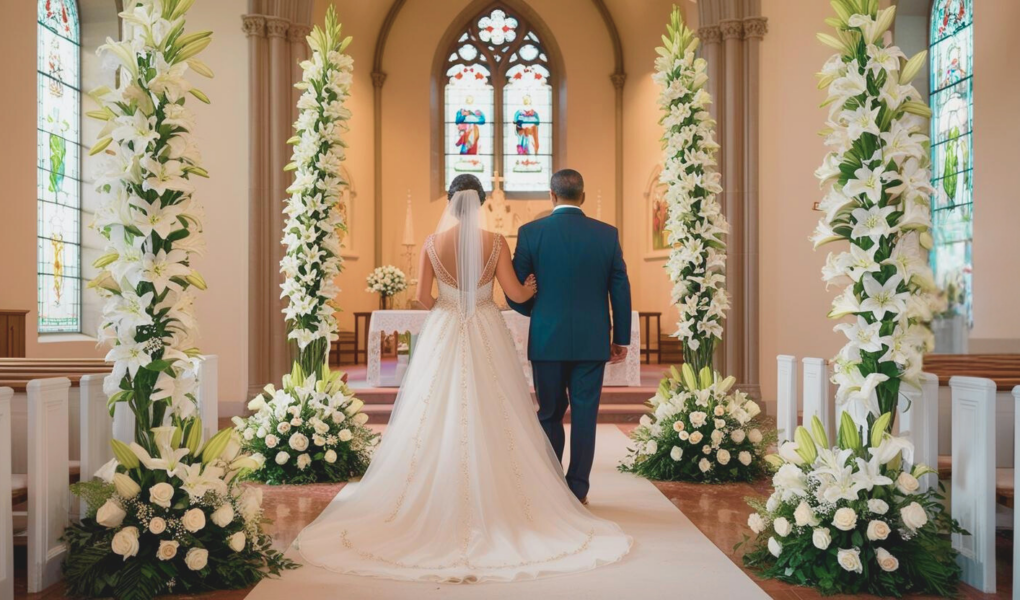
(580, 270)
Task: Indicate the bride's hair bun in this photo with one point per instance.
(465, 182)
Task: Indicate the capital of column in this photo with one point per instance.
(277, 27)
(253, 25)
(710, 34)
(378, 79)
(297, 32)
(618, 80)
(731, 28)
(755, 27)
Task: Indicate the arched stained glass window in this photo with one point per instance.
(59, 161)
(952, 145)
(498, 104)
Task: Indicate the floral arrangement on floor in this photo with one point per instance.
(310, 431)
(146, 531)
(850, 519)
(700, 430)
(387, 281)
(315, 224)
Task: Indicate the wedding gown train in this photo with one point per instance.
(464, 486)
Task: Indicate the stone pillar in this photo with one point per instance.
(619, 79)
(731, 32)
(378, 79)
(276, 32)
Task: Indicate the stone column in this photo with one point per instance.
(731, 166)
(378, 79)
(754, 30)
(619, 79)
(276, 46)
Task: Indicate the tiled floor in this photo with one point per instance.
(718, 511)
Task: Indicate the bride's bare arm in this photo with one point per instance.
(512, 287)
(425, 280)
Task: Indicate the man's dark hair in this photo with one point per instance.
(567, 184)
(465, 182)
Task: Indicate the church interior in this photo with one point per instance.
(511, 91)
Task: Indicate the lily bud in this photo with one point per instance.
(100, 146)
(818, 430)
(105, 260)
(126, 487)
(196, 280)
(806, 448)
(878, 429)
(124, 454)
(913, 67)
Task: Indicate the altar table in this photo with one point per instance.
(625, 374)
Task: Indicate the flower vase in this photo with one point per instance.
(385, 302)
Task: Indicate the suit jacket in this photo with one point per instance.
(580, 270)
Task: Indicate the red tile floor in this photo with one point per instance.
(718, 511)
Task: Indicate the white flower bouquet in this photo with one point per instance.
(310, 431)
(699, 430)
(696, 225)
(850, 519)
(386, 281)
(315, 223)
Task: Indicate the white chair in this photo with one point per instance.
(6, 519)
(973, 479)
(208, 395)
(818, 401)
(48, 466)
(919, 421)
(786, 397)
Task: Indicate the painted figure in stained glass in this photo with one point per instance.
(56, 67)
(58, 267)
(950, 15)
(468, 120)
(59, 16)
(58, 152)
(526, 122)
(953, 117)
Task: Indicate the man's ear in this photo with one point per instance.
(582, 199)
(553, 198)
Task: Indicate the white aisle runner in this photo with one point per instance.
(670, 557)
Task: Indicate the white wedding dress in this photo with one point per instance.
(464, 486)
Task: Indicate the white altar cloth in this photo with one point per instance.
(625, 374)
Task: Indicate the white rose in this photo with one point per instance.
(125, 542)
(261, 433)
(345, 435)
(321, 427)
(845, 519)
(723, 456)
(879, 507)
(684, 436)
(303, 461)
(249, 434)
(756, 523)
(719, 410)
(283, 428)
(272, 441)
(299, 442)
(167, 550)
(678, 426)
(157, 525)
(676, 453)
(338, 417)
(755, 436)
(720, 424)
(878, 530)
(196, 558)
(738, 436)
(237, 541)
(744, 457)
(318, 440)
(887, 562)
(704, 465)
(907, 483)
(282, 457)
(772, 503)
(354, 407)
(360, 418)
(698, 419)
(696, 437)
(913, 516)
(775, 547)
(224, 515)
(126, 487)
(110, 515)
(782, 526)
(850, 559)
(805, 515)
(706, 449)
(717, 437)
(297, 421)
(821, 538)
(330, 456)
(194, 520)
(161, 494)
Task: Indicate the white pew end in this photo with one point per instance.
(48, 466)
(208, 395)
(96, 429)
(817, 398)
(786, 397)
(973, 479)
(919, 420)
(6, 518)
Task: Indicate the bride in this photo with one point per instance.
(465, 486)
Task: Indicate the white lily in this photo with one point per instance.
(884, 298)
(872, 223)
(867, 182)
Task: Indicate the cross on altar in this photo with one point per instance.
(496, 180)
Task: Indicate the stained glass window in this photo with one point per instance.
(58, 158)
(952, 149)
(498, 109)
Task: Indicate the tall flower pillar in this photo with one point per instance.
(731, 31)
(276, 45)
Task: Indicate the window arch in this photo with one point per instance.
(952, 144)
(501, 82)
(59, 164)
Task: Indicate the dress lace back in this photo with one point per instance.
(443, 274)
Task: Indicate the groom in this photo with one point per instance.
(579, 265)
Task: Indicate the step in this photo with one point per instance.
(608, 413)
(630, 396)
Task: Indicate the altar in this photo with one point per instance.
(625, 374)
